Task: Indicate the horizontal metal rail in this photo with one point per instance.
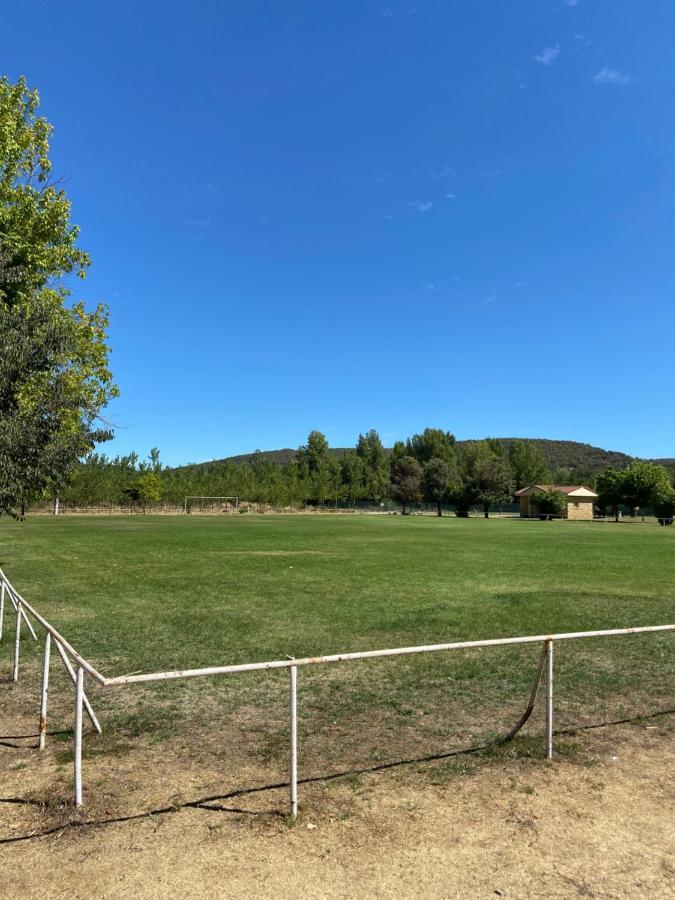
(375, 654)
(83, 666)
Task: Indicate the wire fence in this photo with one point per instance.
(78, 668)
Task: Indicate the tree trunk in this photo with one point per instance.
(438, 506)
(486, 510)
(616, 512)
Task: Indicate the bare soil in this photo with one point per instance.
(597, 822)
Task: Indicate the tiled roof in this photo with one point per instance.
(561, 488)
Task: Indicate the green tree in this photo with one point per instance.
(528, 464)
(148, 488)
(352, 476)
(406, 481)
(440, 480)
(320, 466)
(549, 503)
(663, 503)
(54, 377)
(493, 482)
(433, 443)
(376, 466)
(642, 481)
(611, 488)
(485, 478)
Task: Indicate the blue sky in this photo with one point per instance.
(347, 215)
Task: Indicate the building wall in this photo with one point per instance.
(580, 510)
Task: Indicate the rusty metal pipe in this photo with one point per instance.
(533, 698)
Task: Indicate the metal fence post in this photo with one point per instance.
(45, 688)
(17, 643)
(293, 676)
(77, 756)
(549, 699)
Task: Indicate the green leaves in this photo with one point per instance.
(54, 375)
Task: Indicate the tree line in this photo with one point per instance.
(428, 467)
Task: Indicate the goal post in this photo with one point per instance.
(212, 505)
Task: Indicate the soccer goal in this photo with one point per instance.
(211, 505)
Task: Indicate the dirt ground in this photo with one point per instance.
(597, 822)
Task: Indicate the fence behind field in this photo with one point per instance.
(78, 667)
(251, 508)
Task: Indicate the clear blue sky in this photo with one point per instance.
(344, 215)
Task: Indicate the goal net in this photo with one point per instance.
(211, 505)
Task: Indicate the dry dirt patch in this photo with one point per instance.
(598, 825)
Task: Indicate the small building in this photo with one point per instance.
(580, 500)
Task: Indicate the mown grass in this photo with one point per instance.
(149, 593)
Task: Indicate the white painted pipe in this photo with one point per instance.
(549, 699)
(14, 597)
(293, 673)
(69, 669)
(79, 692)
(373, 654)
(45, 689)
(17, 644)
(2, 607)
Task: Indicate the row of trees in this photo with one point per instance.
(643, 485)
(428, 467)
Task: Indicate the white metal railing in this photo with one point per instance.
(66, 651)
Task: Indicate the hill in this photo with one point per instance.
(561, 456)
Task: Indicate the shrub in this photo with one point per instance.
(550, 503)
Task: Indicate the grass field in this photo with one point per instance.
(147, 594)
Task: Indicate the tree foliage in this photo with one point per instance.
(549, 503)
(528, 464)
(406, 481)
(54, 376)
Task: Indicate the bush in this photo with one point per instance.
(549, 503)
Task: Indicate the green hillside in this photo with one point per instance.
(560, 456)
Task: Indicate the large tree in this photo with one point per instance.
(485, 477)
(433, 443)
(406, 481)
(611, 487)
(440, 480)
(320, 467)
(642, 482)
(54, 376)
(528, 464)
(352, 476)
(375, 466)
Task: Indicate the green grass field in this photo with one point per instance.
(145, 593)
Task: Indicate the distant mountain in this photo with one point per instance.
(560, 455)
